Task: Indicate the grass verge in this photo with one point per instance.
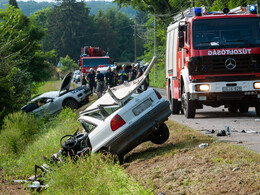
(90, 175)
(179, 166)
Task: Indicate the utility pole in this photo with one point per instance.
(155, 46)
(193, 3)
(135, 38)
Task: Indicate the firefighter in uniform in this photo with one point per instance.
(123, 74)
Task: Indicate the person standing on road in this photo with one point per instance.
(100, 83)
(83, 81)
(123, 74)
(132, 72)
(138, 70)
(146, 81)
(91, 79)
(109, 78)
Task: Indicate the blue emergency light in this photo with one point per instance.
(252, 9)
(197, 11)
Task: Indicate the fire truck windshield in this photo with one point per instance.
(95, 62)
(226, 33)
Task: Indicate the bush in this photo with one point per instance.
(19, 129)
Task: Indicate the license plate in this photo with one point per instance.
(231, 88)
(142, 107)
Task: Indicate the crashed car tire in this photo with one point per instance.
(161, 135)
(72, 104)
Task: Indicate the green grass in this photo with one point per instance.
(160, 81)
(91, 175)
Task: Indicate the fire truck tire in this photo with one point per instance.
(189, 106)
(232, 108)
(243, 108)
(257, 109)
(175, 106)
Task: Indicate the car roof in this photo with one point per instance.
(50, 94)
(119, 94)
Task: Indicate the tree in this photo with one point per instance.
(21, 61)
(13, 3)
(69, 28)
(68, 65)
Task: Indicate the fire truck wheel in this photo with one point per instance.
(189, 106)
(232, 108)
(257, 109)
(175, 106)
(243, 108)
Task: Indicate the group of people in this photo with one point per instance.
(100, 81)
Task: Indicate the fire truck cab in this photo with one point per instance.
(213, 59)
(93, 57)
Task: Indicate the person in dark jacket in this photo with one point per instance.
(132, 72)
(109, 78)
(91, 79)
(100, 83)
(123, 74)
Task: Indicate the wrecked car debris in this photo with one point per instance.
(122, 118)
(222, 133)
(248, 131)
(203, 145)
(52, 102)
(116, 123)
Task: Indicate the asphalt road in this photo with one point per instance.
(245, 127)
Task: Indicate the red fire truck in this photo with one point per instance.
(93, 57)
(213, 59)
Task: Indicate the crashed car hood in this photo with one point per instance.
(65, 85)
(119, 94)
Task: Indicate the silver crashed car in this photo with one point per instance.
(122, 119)
(52, 102)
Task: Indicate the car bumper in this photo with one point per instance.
(140, 130)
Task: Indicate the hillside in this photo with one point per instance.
(30, 7)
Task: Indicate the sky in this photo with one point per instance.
(54, 0)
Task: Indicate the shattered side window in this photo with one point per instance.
(88, 127)
(103, 112)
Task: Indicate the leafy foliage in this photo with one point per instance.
(67, 65)
(19, 130)
(21, 61)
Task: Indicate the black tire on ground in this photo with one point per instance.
(73, 104)
(232, 108)
(175, 106)
(161, 135)
(188, 106)
(243, 108)
(257, 109)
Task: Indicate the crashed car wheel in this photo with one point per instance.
(161, 135)
(72, 104)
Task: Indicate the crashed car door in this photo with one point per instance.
(49, 107)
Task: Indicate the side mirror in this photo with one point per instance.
(49, 100)
(181, 39)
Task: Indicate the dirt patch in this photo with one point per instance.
(7, 187)
(220, 168)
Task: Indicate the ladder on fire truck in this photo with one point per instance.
(199, 11)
